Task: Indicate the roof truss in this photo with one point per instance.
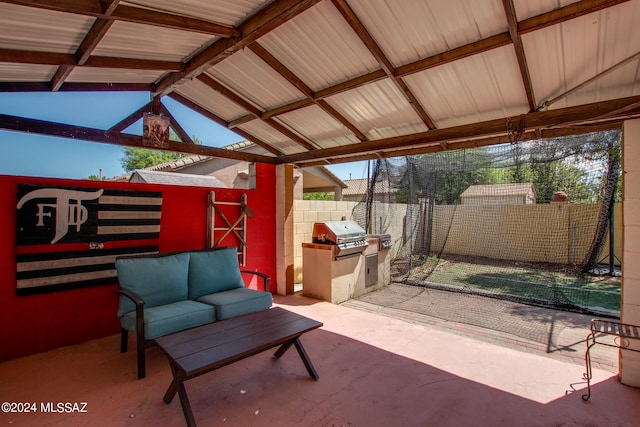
(264, 123)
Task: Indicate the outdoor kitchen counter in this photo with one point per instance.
(322, 246)
(327, 278)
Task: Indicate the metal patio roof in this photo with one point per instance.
(324, 81)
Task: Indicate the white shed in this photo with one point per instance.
(500, 194)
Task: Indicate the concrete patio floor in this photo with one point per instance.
(375, 370)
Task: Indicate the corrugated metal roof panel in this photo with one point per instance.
(35, 29)
(478, 88)
(272, 137)
(219, 11)
(249, 76)
(211, 100)
(308, 46)
(26, 72)
(319, 126)
(315, 42)
(379, 110)
(410, 30)
(129, 40)
(112, 75)
(563, 56)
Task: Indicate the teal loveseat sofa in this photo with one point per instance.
(165, 293)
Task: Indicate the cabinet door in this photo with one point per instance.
(371, 274)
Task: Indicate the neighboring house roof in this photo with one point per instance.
(319, 178)
(120, 178)
(496, 190)
(241, 145)
(175, 178)
(316, 176)
(179, 163)
(333, 176)
(194, 159)
(173, 165)
(358, 187)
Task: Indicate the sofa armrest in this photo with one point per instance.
(135, 298)
(265, 277)
(140, 339)
(139, 302)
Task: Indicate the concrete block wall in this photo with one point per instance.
(306, 212)
(529, 233)
(630, 310)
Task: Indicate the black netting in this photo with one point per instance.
(525, 221)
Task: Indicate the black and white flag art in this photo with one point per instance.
(69, 238)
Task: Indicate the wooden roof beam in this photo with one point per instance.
(61, 59)
(228, 93)
(327, 92)
(213, 84)
(22, 124)
(95, 34)
(563, 14)
(480, 46)
(195, 107)
(461, 52)
(512, 20)
(74, 87)
(356, 25)
(612, 110)
(281, 69)
(175, 125)
(290, 134)
(177, 22)
(471, 143)
(130, 119)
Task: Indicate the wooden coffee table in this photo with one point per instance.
(196, 351)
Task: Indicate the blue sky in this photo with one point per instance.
(37, 155)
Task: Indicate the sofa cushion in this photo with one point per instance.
(170, 318)
(236, 302)
(157, 280)
(213, 271)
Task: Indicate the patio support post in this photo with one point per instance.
(630, 288)
(284, 233)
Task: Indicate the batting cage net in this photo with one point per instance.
(532, 221)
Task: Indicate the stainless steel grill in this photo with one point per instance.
(346, 237)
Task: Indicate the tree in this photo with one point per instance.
(450, 185)
(318, 196)
(140, 158)
(562, 165)
(442, 177)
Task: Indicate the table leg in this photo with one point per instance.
(177, 385)
(283, 349)
(305, 359)
(186, 406)
(173, 387)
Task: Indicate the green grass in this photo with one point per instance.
(524, 281)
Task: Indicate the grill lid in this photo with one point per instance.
(337, 232)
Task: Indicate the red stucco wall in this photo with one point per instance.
(36, 323)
